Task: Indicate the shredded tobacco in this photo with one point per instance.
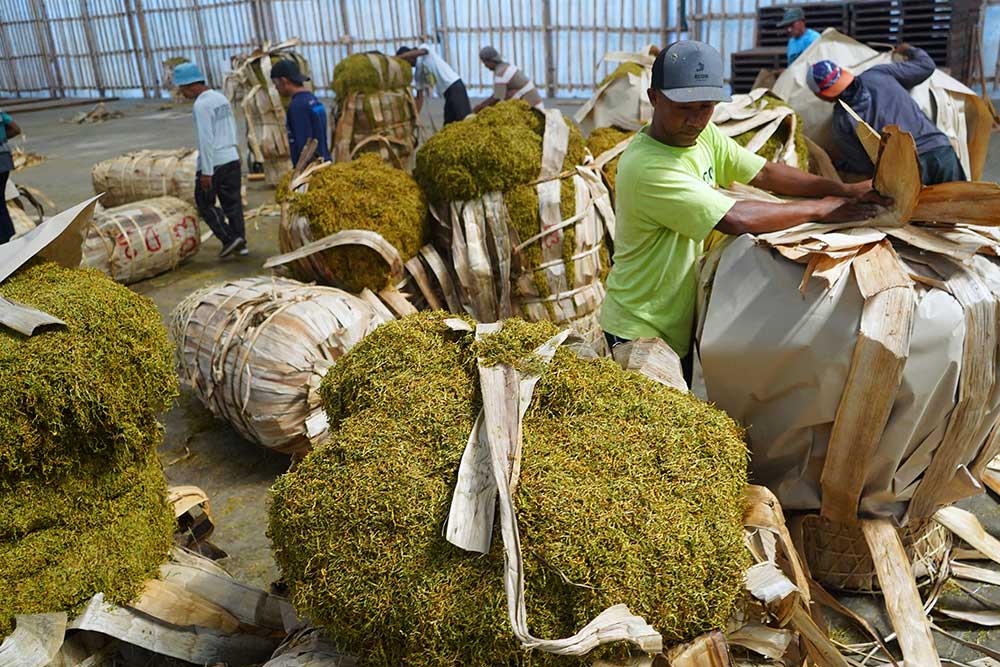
(367, 194)
(630, 492)
(83, 493)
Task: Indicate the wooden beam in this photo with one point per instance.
(550, 66)
(88, 35)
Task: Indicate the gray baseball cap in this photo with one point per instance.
(690, 71)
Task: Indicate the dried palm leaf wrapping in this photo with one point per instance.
(82, 490)
(527, 221)
(146, 174)
(364, 195)
(764, 124)
(251, 92)
(374, 110)
(142, 239)
(357, 527)
(620, 99)
(254, 351)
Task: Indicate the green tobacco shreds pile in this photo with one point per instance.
(500, 150)
(772, 147)
(358, 74)
(367, 194)
(603, 139)
(71, 393)
(115, 532)
(494, 151)
(629, 492)
(83, 493)
(623, 70)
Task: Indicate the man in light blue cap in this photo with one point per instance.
(800, 37)
(219, 176)
(667, 200)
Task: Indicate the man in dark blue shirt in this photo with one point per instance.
(879, 97)
(305, 117)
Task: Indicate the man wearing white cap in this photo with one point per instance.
(667, 200)
(218, 162)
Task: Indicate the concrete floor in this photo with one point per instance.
(199, 449)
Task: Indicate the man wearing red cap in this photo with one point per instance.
(879, 96)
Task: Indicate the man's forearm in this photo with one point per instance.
(756, 217)
(488, 102)
(789, 181)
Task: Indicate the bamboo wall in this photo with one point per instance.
(117, 47)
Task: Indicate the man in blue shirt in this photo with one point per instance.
(880, 97)
(305, 117)
(799, 36)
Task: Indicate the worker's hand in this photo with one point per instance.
(842, 209)
(205, 183)
(902, 48)
(865, 192)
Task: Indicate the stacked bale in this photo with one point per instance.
(527, 221)
(146, 174)
(374, 110)
(250, 89)
(356, 527)
(83, 494)
(364, 194)
(142, 239)
(254, 351)
(765, 124)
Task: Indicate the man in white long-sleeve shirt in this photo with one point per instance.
(218, 160)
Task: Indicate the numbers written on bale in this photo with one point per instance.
(255, 350)
(141, 240)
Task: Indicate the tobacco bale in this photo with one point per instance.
(604, 139)
(622, 71)
(628, 489)
(500, 150)
(88, 389)
(772, 147)
(367, 194)
(368, 73)
(83, 492)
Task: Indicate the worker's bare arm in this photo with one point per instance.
(488, 102)
(420, 100)
(755, 217)
(13, 129)
(789, 181)
(415, 53)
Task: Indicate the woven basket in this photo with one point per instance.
(838, 555)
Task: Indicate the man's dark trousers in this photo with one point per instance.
(456, 103)
(227, 185)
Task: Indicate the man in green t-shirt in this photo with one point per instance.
(666, 201)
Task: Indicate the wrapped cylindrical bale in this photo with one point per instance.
(84, 496)
(146, 174)
(365, 197)
(142, 239)
(526, 220)
(357, 526)
(250, 90)
(620, 99)
(865, 370)
(374, 109)
(254, 351)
